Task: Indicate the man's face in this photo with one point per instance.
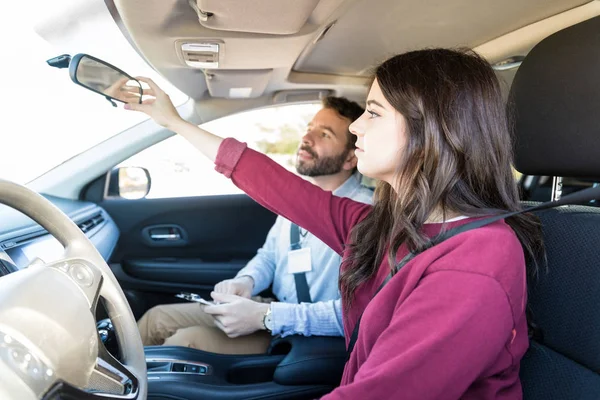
(323, 149)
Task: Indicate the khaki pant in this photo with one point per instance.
(188, 325)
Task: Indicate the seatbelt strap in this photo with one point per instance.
(580, 197)
(302, 291)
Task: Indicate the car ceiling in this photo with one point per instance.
(300, 49)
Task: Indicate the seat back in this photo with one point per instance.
(556, 99)
(564, 300)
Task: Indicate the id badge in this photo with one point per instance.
(299, 261)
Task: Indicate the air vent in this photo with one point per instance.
(7, 265)
(91, 223)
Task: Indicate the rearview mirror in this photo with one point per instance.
(105, 79)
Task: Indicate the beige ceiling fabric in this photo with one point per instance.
(334, 45)
(280, 17)
(371, 31)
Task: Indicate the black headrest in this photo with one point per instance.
(556, 100)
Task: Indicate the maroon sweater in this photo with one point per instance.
(450, 325)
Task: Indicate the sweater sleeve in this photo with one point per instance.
(328, 217)
(449, 318)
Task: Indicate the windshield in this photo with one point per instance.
(46, 118)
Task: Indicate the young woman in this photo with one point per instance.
(451, 322)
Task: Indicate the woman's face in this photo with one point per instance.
(381, 137)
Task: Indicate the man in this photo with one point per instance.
(241, 324)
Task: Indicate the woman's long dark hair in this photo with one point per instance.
(458, 158)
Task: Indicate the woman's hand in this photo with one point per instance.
(159, 107)
(121, 91)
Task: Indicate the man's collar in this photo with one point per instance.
(349, 185)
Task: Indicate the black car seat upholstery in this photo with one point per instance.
(556, 102)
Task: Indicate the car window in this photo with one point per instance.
(177, 169)
(46, 118)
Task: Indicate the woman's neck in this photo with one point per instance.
(438, 216)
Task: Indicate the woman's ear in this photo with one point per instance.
(351, 161)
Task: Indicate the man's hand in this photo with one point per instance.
(241, 286)
(235, 315)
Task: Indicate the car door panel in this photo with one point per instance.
(192, 271)
(171, 245)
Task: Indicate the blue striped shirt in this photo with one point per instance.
(323, 317)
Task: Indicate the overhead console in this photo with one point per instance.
(234, 66)
(230, 49)
(209, 55)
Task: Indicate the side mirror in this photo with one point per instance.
(105, 79)
(128, 182)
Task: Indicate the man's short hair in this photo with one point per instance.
(347, 109)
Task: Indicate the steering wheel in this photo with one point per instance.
(49, 345)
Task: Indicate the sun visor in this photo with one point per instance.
(275, 17)
(240, 84)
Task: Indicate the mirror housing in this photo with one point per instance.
(128, 182)
(105, 79)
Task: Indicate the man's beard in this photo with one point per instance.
(320, 166)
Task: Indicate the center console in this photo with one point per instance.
(295, 367)
(177, 366)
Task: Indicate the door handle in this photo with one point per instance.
(164, 235)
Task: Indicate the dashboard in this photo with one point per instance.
(22, 240)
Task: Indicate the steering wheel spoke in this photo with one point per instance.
(112, 378)
(84, 274)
